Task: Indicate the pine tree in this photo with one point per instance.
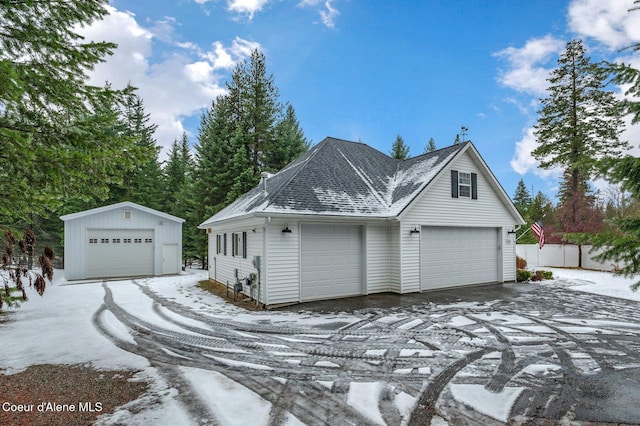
(522, 198)
(212, 178)
(456, 141)
(178, 192)
(253, 98)
(622, 244)
(399, 150)
(431, 146)
(540, 209)
(523, 202)
(244, 132)
(579, 122)
(142, 184)
(59, 137)
(290, 142)
(578, 127)
(177, 173)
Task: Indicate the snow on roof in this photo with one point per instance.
(338, 178)
(124, 204)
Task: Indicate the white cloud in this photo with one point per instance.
(328, 15)
(611, 25)
(526, 72)
(178, 85)
(523, 162)
(246, 7)
(607, 21)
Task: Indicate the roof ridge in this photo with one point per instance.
(365, 179)
(314, 151)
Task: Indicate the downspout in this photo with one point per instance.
(262, 277)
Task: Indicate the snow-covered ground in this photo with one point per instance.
(603, 283)
(369, 367)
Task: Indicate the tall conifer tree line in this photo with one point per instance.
(243, 133)
(578, 130)
(66, 146)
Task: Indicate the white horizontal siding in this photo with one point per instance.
(436, 207)
(378, 272)
(283, 263)
(76, 241)
(394, 258)
(222, 267)
(410, 258)
(509, 260)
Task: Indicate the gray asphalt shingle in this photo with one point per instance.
(338, 177)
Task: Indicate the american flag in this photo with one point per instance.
(536, 228)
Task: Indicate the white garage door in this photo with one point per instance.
(119, 253)
(458, 256)
(331, 261)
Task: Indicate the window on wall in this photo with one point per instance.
(218, 243)
(238, 242)
(464, 185)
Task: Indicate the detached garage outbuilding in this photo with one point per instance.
(121, 240)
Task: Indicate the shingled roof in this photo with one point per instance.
(341, 178)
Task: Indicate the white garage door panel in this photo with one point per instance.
(331, 261)
(458, 256)
(119, 253)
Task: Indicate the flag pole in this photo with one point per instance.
(523, 234)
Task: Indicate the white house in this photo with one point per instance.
(345, 219)
(121, 240)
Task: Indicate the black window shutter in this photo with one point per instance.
(454, 184)
(244, 245)
(224, 245)
(233, 244)
(474, 186)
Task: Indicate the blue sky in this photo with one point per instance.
(369, 70)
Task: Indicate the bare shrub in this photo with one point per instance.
(16, 268)
(521, 263)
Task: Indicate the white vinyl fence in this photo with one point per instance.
(561, 255)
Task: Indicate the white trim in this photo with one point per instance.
(124, 204)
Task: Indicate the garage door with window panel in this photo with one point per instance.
(331, 261)
(119, 253)
(458, 256)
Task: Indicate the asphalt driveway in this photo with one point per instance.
(516, 354)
